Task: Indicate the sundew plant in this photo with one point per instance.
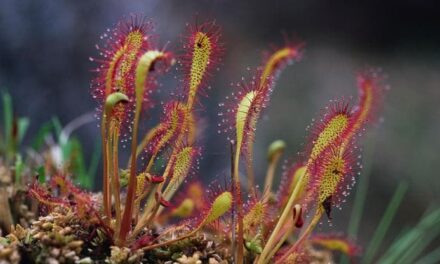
(155, 208)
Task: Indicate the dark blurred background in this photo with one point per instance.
(44, 63)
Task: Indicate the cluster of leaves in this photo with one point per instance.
(318, 182)
(138, 201)
(126, 78)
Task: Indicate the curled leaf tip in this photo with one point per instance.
(114, 99)
(277, 147)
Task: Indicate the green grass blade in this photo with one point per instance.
(41, 172)
(431, 258)
(73, 155)
(418, 239)
(94, 162)
(385, 223)
(23, 124)
(409, 240)
(7, 115)
(7, 122)
(399, 246)
(425, 239)
(42, 133)
(58, 127)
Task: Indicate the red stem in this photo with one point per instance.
(132, 182)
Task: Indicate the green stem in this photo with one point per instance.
(109, 128)
(132, 182)
(271, 173)
(115, 180)
(283, 238)
(304, 235)
(151, 203)
(144, 66)
(105, 179)
(239, 207)
(285, 214)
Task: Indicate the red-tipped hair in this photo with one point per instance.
(371, 86)
(171, 125)
(276, 59)
(334, 175)
(334, 109)
(230, 108)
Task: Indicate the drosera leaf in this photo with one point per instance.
(202, 53)
(291, 178)
(220, 206)
(336, 242)
(255, 216)
(274, 154)
(182, 164)
(112, 100)
(371, 89)
(243, 116)
(145, 65)
(275, 148)
(332, 128)
(276, 63)
(170, 127)
(335, 177)
(184, 209)
(246, 116)
(119, 54)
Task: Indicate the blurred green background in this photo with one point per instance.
(45, 46)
